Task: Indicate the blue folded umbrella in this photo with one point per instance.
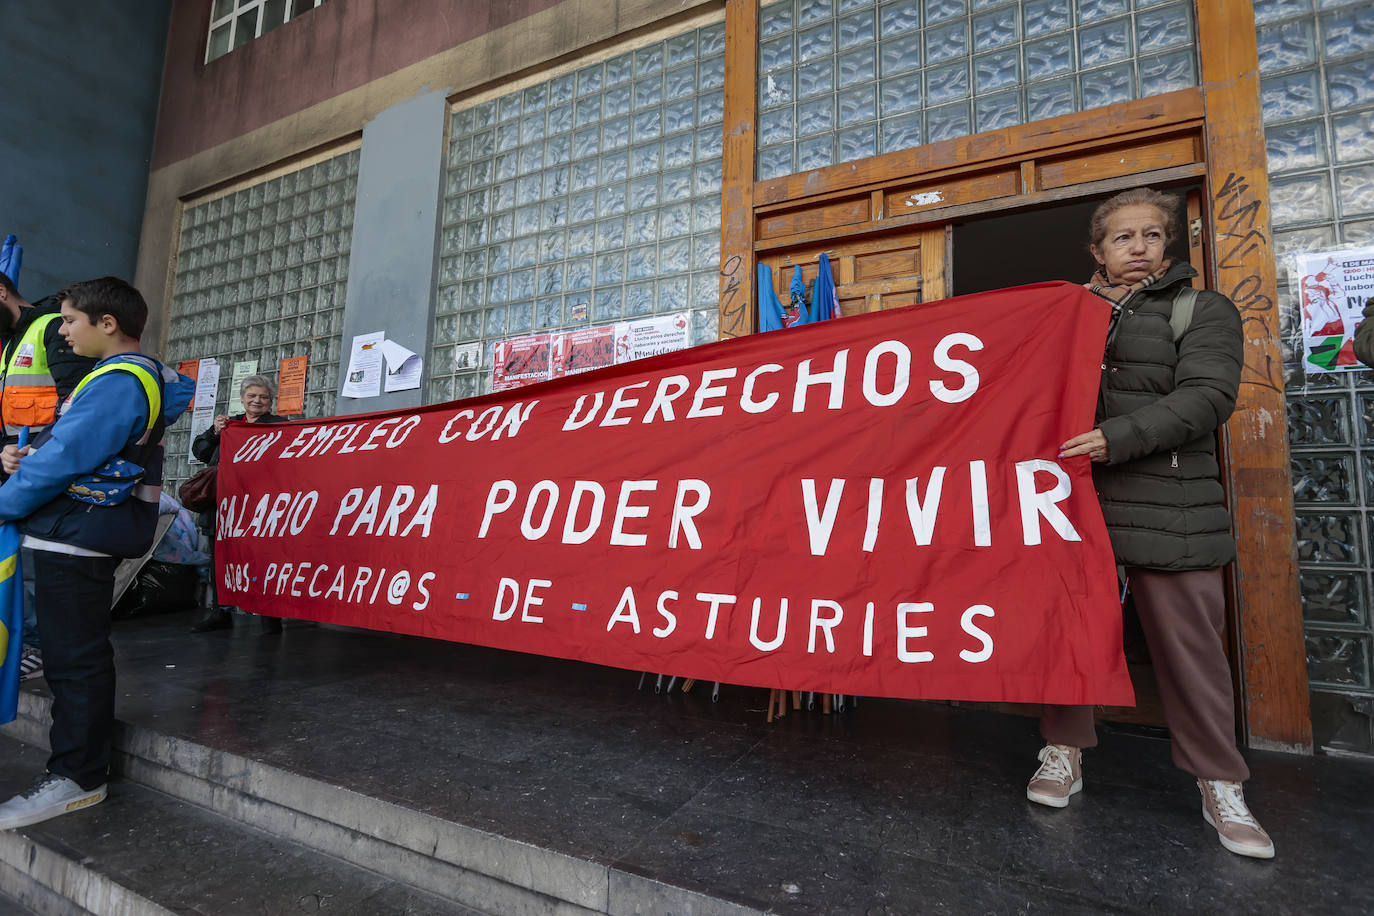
(11, 256)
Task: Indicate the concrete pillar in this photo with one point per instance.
(396, 238)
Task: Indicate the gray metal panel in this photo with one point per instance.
(395, 237)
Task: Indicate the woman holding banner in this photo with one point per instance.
(1170, 376)
(256, 395)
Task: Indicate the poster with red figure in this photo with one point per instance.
(1332, 288)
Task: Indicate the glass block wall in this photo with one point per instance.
(845, 79)
(261, 274)
(1317, 92)
(581, 200)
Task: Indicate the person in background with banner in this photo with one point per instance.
(256, 395)
(1169, 381)
(39, 370)
(85, 494)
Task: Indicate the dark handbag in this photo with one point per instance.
(198, 492)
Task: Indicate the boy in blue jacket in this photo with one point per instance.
(84, 495)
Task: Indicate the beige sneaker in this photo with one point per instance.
(1223, 806)
(1060, 776)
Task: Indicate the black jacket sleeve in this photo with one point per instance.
(206, 446)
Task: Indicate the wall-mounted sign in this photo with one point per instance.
(1332, 288)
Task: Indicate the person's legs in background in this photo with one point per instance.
(214, 616)
(31, 661)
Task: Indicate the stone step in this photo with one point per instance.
(143, 853)
(11, 907)
(469, 868)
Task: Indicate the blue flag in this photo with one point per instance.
(795, 311)
(823, 297)
(11, 620)
(770, 309)
(11, 256)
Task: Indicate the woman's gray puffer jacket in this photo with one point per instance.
(1159, 406)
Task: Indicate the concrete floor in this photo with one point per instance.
(893, 807)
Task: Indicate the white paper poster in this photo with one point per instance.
(242, 370)
(364, 378)
(467, 356)
(1333, 287)
(652, 336)
(207, 387)
(403, 367)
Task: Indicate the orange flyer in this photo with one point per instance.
(191, 369)
(291, 386)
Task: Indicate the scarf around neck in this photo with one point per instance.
(1120, 292)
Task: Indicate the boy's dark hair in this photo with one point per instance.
(8, 284)
(109, 296)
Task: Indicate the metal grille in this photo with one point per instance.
(846, 79)
(584, 199)
(261, 274)
(1317, 91)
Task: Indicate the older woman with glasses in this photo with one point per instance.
(256, 395)
(1170, 375)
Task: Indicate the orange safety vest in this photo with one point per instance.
(28, 394)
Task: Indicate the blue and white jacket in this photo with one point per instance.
(107, 416)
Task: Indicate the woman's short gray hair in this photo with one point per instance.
(257, 381)
(1166, 204)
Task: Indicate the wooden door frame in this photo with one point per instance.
(1275, 709)
(1222, 115)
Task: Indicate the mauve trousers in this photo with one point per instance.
(1184, 618)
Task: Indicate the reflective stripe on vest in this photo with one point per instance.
(151, 389)
(29, 394)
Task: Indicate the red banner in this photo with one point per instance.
(868, 506)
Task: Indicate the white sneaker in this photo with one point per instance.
(50, 796)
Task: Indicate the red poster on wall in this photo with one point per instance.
(583, 350)
(870, 506)
(521, 361)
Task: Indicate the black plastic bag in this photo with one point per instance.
(159, 588)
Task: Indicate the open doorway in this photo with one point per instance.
(1031, 246)
(1050, 242)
